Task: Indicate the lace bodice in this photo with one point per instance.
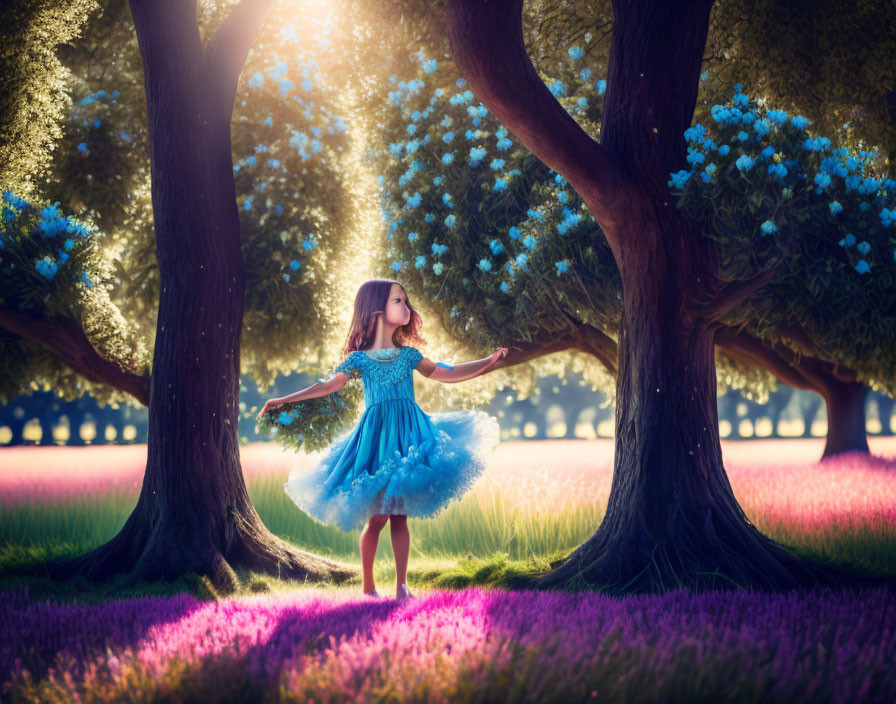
(390, 376)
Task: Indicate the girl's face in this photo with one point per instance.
(397, 311)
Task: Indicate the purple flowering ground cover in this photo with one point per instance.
(333, 645)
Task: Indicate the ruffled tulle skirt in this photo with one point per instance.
(396, 460)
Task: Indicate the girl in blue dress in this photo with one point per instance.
(397, 461)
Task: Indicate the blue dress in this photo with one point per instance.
(396, 459)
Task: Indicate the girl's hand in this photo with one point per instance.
(498, 354)
(269, 405)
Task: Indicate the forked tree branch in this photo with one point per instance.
(226, 52)
(736, 292)
(488, 47)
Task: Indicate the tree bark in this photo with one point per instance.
(672, 519)
(194, 513)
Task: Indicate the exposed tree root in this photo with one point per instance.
(160, 556)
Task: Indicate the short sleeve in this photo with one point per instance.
(414, 357)
(349, 366)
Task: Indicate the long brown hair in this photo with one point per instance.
(371, 300)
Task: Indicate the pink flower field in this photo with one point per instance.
(469, 645)
(335, 645)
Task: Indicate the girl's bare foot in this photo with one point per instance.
(402, 593)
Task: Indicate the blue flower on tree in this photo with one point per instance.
(46, 267)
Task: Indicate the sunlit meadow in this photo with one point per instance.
(466, 637)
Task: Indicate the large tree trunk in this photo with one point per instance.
(194, 513)
(672, 519)
(845, 402)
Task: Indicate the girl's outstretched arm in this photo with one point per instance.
(318, 388)
(458, 372)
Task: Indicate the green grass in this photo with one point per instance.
(479, 540)
(478, 524)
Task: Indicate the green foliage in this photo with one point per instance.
(32, 81)
(288, 138)
(834, 62)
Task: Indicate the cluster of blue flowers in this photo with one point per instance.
(52, 224)
(284, 84)
(837, 167)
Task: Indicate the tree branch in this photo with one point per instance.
(488, 47)
(583, 337)
(754, 352)
(65, 338)
(800, 371)
(796, 333)
(226, 52)
(595, 342)
(736, 292)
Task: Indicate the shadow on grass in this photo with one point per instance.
(71, 641)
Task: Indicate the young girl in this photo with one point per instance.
(397, 461)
